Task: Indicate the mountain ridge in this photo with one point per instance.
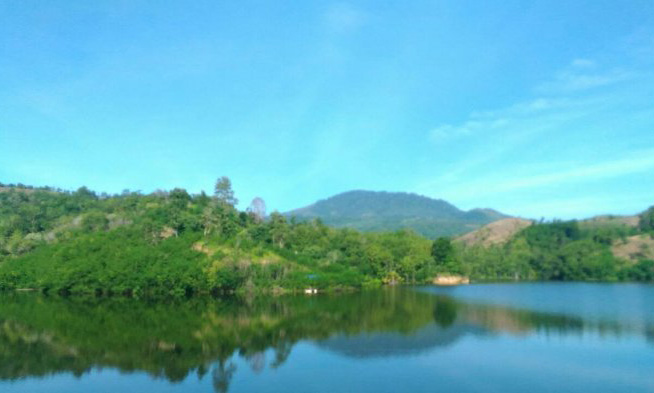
(387, 210)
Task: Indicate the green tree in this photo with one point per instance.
(647, 220)
(179, 198)
(224, 193)
(444, 256)
(95, 221)
(279, 230)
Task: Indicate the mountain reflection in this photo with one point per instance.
(41, 336)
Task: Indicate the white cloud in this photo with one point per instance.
(639, 162)
(575, 81)
(583, 74)
(470, 127)
(523, 158)
(522, 118)
(537, 178)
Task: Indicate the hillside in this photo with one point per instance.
(504, 230)
(609, 221)
(171, 243)
(386, 211)
(634, 248)
(498, 232)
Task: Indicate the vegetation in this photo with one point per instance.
(371, 211)
(173, 243)
(170, 243)
(647, 220)
(556, 251)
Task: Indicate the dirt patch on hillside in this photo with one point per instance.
(167, 232)
(603, 221)
(497, 232)
(203, 248)
(634, 248)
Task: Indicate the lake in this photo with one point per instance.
(535, 337)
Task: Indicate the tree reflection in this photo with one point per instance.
(171, 340)
(222, 375)
(445, 311)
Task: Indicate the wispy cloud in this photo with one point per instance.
(480, 122)
(553, 98)
(534, 157)
(495, 134)
(574, 80)
(583, 74)
(577, 173)
(524, 117)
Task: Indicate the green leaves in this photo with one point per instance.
(444, 256)
(646, 223)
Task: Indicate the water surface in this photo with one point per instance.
(477, 338)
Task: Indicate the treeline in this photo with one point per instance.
(175, 243)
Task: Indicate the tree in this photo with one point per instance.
(84, 192)
(517, 259)
(224, 193)
(179, 198)
(95, 221)
(258, 209)
(210, 221)
(442, 251)
(647, 220)
(278, 229)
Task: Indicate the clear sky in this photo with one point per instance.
(534, 108)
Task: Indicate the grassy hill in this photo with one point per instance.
(372, 211)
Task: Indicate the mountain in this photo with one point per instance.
(387, 211)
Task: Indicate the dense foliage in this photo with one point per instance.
(173, 243)
(647, 220)
(176, 243)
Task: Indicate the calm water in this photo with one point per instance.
(477, 338)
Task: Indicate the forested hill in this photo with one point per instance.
(386, 211)
(174, 243)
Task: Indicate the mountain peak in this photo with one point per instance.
(383, 210)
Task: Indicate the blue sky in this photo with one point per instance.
(534, 108)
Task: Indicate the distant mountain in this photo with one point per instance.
(387, 211)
